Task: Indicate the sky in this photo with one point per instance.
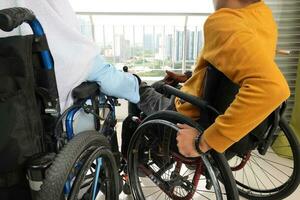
(192, 6)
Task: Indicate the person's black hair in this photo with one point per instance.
(249, 1)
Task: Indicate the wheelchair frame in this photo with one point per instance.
(71, 112)
(12, 18)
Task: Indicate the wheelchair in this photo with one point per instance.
(41, 157)
(154, 160)
(266, 162)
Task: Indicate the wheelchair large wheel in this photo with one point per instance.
(274, 175)
(84, 169)
(158, 171)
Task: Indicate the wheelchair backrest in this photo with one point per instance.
(219, 91)
(29, 103)
(20, 121)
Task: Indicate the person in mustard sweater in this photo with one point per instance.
(240, 41)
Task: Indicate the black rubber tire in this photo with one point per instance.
(57, 174)
(292, 183)
(219, 160)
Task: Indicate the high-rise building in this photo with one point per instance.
(190, 39)
(148, 42)
(160, 46)
(178, 45)
(158, 40)
(199, 42)
(121, 48)
(169, 47)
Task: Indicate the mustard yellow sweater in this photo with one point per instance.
(241, 43)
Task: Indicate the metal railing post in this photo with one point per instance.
(184, 45)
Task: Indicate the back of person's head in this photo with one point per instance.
(249, 1)
(233, 3)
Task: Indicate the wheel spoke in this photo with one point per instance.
(202, 195)
(271, 163)
(160, 194)
(256, 177)
(211, 192)
(273, 176)
(153, 193)
(265, 172)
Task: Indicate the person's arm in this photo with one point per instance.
(114, 82)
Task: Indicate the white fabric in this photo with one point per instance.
(73, 54)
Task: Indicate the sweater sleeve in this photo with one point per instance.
(237, 52)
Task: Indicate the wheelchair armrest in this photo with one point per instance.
(196, 101)
(85, 90)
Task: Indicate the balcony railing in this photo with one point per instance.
(148, 43)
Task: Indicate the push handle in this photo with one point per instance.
(11, 18)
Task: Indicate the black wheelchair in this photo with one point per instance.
(41, 157)
(259, 171)
(266, 162)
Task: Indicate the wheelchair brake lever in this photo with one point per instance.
(51, 105)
